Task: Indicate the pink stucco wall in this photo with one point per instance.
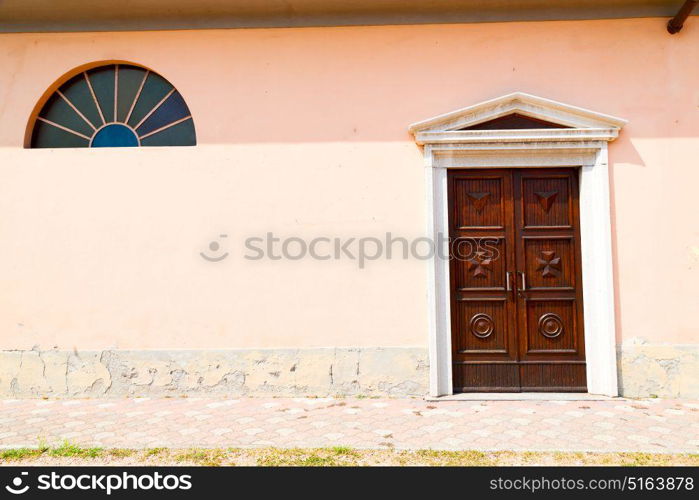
(304, 132)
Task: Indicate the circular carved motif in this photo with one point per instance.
(550, 325)
(482, 325)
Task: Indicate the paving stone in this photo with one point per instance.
(612, 425)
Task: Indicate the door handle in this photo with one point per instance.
(524, 284)
(508, 284)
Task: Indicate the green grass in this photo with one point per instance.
(120, 452)
(313, 457)
(467, 457)
(72, 454)
(344, 450)
(302, 457)
(71, 450)
(20, 454)
(211, 457)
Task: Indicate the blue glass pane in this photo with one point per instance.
(171, 110)
(181, 134)
(114, 136)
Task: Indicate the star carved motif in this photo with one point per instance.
(549, 264)
(480, 265)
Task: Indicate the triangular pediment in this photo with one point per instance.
(521, 104)
(513, 121)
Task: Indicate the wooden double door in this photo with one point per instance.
(516, 287)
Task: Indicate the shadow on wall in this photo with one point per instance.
(622, 155)
(369, 83)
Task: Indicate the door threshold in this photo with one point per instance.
(520, 396)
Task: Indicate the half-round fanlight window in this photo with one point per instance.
(118, 105)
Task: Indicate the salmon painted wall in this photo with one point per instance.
(303, 132)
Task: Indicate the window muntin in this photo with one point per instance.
(117, 105)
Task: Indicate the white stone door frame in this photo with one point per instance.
(584, 145)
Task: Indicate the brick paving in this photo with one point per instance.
(605, 426)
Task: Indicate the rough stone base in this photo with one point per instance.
(658, 370)
(645, 370)
(282, 372)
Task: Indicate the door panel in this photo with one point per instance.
(482, 269)
(479, 202)
(551, 326)
(549, 262)
(483, 310)
(483, 324)
(516, 291)
(486, 377)
(546, 201)
(553, 377)
(549, 296)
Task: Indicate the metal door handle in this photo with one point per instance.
(524, 285)
(509, 286)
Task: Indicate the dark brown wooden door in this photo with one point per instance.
(516, 289)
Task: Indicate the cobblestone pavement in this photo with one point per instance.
(611, 425)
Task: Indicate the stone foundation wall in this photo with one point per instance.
(292, 372)
(658, 370)
(645, 370)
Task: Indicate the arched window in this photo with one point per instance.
(117, 105)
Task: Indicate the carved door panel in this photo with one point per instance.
(484, 342)
(549, 287)
(516, 301)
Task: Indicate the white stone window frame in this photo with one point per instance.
(583, 145)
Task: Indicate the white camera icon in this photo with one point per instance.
(16, 488)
